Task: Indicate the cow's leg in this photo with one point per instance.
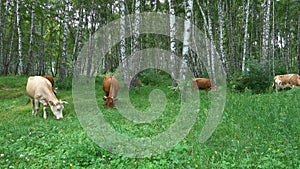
(44, 109)
(37, 106)
(33, 107)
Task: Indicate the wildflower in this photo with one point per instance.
(71, 165)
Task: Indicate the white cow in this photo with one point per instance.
(286, 81)
(39, 89)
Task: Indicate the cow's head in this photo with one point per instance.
(57, 108)
(109, 101)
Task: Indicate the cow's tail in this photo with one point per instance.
(27, 101)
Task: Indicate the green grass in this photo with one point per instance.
(256, 131)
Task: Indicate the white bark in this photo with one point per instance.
(186, 37)
(266, 32)
(62, 72)
(221, 29)
(124, 61)
(173, 42)
(211, 72)
(208, 60)
(20, 57)
(246, 11)
(135, 60)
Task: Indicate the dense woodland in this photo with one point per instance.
(46, 37)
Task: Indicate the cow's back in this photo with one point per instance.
(106, 84)
(37, 85)
(203, 83)
(114, 87)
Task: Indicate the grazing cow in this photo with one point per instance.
(110, 86)
(135, 82)
(51, 79)
(202, 84)
(39, 89)
(286, 81)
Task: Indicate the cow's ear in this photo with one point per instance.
(64, 102)
(51, 103)
(104, 98)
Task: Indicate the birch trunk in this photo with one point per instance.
(208, 60)
(221, 30)
(246, 12)
(273, 39)
(78, 40)
(5, 59)
(266, 35)
(124, 61)
(30, 57)
(135, 60)
(211, 72)
(19, 67)
(186, 38)
(62, 71)
(172, 43)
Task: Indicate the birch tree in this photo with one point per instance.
(211, 49)
(20, 57)
(30, 51)
(135, 60)
(78, 39)
(186, 37)
(172, 42)
(207, 44)
(246, 13)
(124, 61)
(221, 30)
(5, 58)
(266, 34)
(62, 72)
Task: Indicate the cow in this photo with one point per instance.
(202, 84)
(39, 90)
(110, 87)
(135, 82)
(286, 81)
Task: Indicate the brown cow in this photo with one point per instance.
(202, 84)
(135, 82)
(286, 81)
(51, 79)
(39, 89)
(110, 86)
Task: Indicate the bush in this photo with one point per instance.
(155, 77)
(255, 80)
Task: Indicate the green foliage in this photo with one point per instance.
(255, 80)
(155, 77)
(252, 133)
(65, 84)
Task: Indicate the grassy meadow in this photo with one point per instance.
(256, 131)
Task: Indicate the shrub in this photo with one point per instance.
(255, 80)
